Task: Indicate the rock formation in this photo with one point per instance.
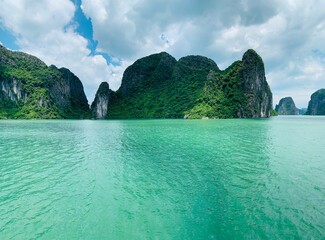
(101, 101)
(286, 106)
(316, 104)
(30, 89)
(158, 86)
(256, 88)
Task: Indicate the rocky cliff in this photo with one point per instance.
(256, 88)
(101, 101)
(316, 104)
(286, 106)
(158, 86)
(30, 89)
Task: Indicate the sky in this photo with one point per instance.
(98, 39)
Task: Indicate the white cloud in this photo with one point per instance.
(289, 35)
(284, 33)
(41, 30)
(298, 79)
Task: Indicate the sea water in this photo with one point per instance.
(163, 179)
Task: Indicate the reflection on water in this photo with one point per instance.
(164, 179)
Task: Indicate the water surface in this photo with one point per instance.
(163, 179)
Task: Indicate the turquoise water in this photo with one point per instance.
(163, 179)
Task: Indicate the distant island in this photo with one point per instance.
(156, 86)
(316, 105)
(286, 106)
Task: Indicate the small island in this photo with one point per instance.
(286, 106)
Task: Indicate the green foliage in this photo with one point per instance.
(194, 86)
(223, 95)
(35, 80)
(166, 93)
(8, 107)
(273, 113)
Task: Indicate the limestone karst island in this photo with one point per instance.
(157, 86)
(167, 119)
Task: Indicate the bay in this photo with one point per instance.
(163, 179)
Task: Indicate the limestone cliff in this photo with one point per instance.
(101, 101)
(158, 86)
(316, 104)
(286, 106)
(256, 88)
(30, 89)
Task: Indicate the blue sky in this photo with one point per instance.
(98, 39)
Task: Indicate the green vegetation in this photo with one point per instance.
(158, 86)
(35, 83)
(166, 93)
(286, 106)
(223, 95)
(273, 113)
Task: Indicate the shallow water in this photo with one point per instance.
(163, 179)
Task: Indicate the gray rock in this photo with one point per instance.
(259, 104)
(286, 106)
(57, 90)
(316, 104)
(100, 104)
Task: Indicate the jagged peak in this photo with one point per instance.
(251, 55)
(103, 88)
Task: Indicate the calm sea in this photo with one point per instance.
(163, 179)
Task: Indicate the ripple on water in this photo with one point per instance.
(165, 179)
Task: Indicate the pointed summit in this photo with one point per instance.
(255, 85)
(100, 104)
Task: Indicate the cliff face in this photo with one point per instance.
(68, 91)
(30, 89)
(158, 86)
(286, 106)
(12, 90)
(256, 87)
(101, 101)
(316, 104)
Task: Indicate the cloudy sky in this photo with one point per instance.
(98, 39)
